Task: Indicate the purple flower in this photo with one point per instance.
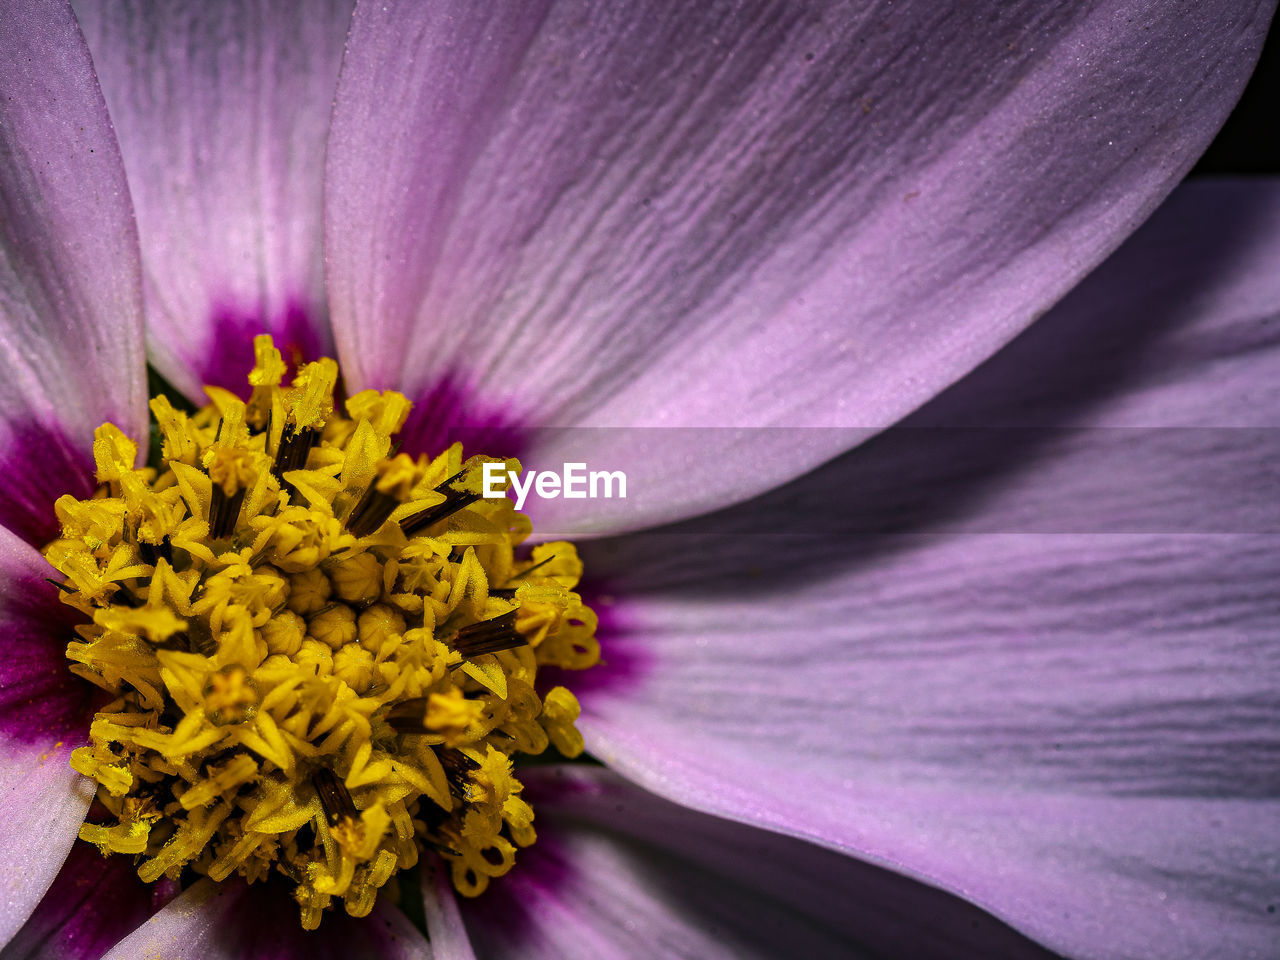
(1018, 652)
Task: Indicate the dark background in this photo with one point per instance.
(1249, 144)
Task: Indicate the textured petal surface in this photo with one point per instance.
(445, 926)
(44, 803)
(222, 111)
(94, 902)
(619, 873)
(42, 719)
(70, 291)
(235, 921)
(740, 214)
(1077, 729)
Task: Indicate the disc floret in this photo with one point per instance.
(321, 656)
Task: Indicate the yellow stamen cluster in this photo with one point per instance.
(322, 656)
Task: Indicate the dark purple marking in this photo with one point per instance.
(260, 922)
(40, 463)
(624, 660)
(162, 891)
(94, 903)
(296, 331)
(503, 910)
(448, 412)
(41, 701)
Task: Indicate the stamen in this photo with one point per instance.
(454, 500)
(408, 716)
(151, 552)
(489, 636)
(196, 640)
(510, 592)
(334, 796)
(371, 512)
(295, 446)
(458, 768)
(126, 597)
(232, 471)
(395, 480)
(223, 512)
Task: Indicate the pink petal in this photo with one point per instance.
(658, 215)
(618, 872)
(449, 939)
(1077, 733)
(222, 111)
(1075, 729)
(94, 902)
(70, 290)
(44, 802)
(236, 921)
(43, 717)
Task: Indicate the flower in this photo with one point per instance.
(694, 217)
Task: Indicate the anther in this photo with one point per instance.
(233, 472)
(176, 641)
(489, 636)
(371, 512)
(457, 770)
(126, 597)
(509, 592)
(198, 639)
(408, 716)
(396, 477)
(454, 500)
(294, 447)
(334, 796)
(195, 641)
(224, 511)
(151, 552)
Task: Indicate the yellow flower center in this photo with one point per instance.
(322, 655)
